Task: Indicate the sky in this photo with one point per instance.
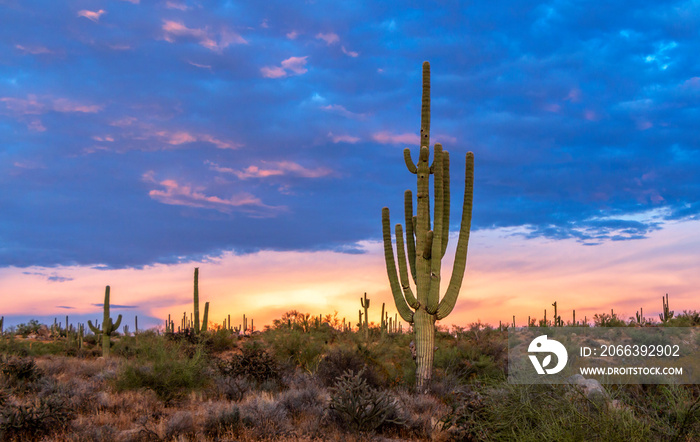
(259, 142)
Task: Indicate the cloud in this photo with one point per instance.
(51, 278)
(273, 168)
(142, 134)
(295, 64)
(386, 137)
(292, 65)
(330, 38)
(204, 37)
(91, 15)
(292, 35)
(27, 110)
(34, 50)
(33, 105)
(343, 138)
(349, 53)
(176, 5)
(273, 72)
(136, 2)
(339, 109)
(176, 194)
(115, 305)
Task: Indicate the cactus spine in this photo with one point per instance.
(425, 246)
(107, 325)
(667, 314)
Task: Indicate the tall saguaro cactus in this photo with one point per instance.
(107, 325)
(425, 244)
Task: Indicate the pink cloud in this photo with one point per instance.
(339, 109)
(34, 50)
(64, 105)
(385, 137)
(176, 5)
(272, 168)
(36, 126)
(292, 35)
(176, 194)
(273, 72)
(201, 66)
(574, 95)
(136, 2)
(590, 115)
(692, 83)
(644, 125)
(330, 38)
(91, 15)
(295, 65)
(343, 138)
(34, 105)
(349, 53)
(205, 38)
(134, 129)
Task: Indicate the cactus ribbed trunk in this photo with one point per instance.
(426, 243)
(424, 325)
(107, 326)
(196, 299)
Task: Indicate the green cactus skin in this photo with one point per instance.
(205, 318)
(107, 326)
(667, 314)
(426, 247)
(365, 305)
(196, 299)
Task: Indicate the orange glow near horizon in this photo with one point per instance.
(506, 275)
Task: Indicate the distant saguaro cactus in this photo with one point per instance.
(667, 313)
(107, 325)
(426, 244)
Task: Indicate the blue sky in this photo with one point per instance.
(160, 132)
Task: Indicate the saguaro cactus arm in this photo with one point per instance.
(401, 305)
(460, 264)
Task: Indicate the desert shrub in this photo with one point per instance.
(17, 371)
(265, 418)
(361, 407)
(30, 327)
(689, 318)
(465, 419)
(305, 401)
(338, 361)
(221, 421)
(11, 346)
(606, 320)
(218, 341)
(543, 412)
(168, 374)
(28, 421)
(180, 424)
(304, 350)
(253, 363)
(672, 411)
